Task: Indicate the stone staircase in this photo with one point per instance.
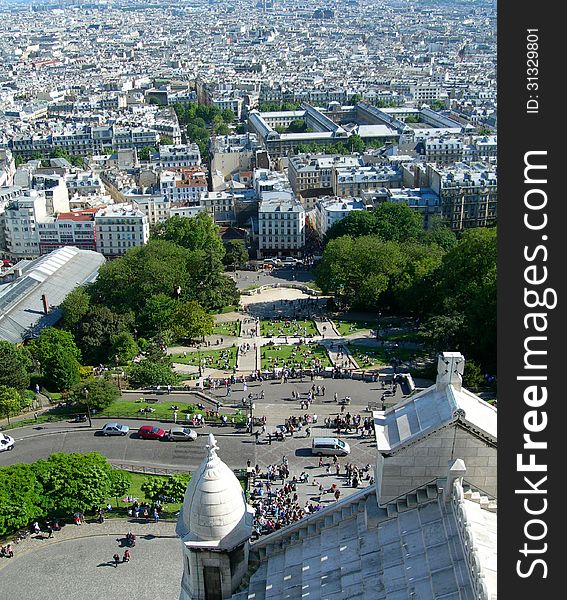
(486, 502)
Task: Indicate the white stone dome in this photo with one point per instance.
(214, 505)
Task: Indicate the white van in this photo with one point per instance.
(323, 446)
(6, 442)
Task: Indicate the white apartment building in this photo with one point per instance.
(84, 183)
(155, 207)
(68, 229)
(183, 186)
(21, 218)
(182, 155)
(7, 167)
(220, 205)
(313, 171)
(330, 209)
(281, 225)
(356, 180)
(120, 227)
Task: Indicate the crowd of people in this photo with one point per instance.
(287, 327)
(347, 423)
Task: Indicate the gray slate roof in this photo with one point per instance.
(55, 275)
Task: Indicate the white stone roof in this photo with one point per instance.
(356, 550)
(214, 508)
(440, 405)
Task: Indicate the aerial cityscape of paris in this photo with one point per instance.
(248, 300)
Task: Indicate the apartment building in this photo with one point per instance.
(356, 180)
(312, 171)
(441, 150)
(183, 186)
(220, 205)
(330, 210)
(468, 193)
(281, 225)
(182, 155)
(120, 227)
(68, 229)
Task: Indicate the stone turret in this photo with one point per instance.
(215, 524)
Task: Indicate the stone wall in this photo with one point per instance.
(427, 459)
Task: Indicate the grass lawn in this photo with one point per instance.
(404, 336)
(223, 359)
(229, 328)
(130, 409)
(367, 357)
(169, 510)
(346, 327)
(122, 409)
(282, 327)
(298, 356)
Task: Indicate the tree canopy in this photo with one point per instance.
(15, 365)
(58, 357)
(389, 220)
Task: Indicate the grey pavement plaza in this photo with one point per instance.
(76, 563)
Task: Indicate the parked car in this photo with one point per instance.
(147, 432)
(115, 429)
(181, 434)
(6, 442)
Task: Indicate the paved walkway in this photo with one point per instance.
(76, 564)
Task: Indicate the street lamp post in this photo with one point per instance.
(86, 392)
(200, 365)
(378, 325)
(252, 407)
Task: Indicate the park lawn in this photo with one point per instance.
(348, 326)
(169, 510)
(291, 328)
(229, 328)
(367, 356)
(130, 409)
(404, 336)
(209, 358)
(283, 355)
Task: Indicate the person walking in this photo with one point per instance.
(116, 560)
(126, 557)
(257, 436)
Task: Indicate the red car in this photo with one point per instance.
(147, 432)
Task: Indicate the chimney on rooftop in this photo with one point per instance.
(450, 368)
(45, 304)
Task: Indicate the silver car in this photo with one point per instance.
(181, 434)
(115, 429)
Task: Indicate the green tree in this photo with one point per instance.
(356, 223)
(472, 377)
(439, 233)
(166, 489)
(398, 222)
(297, 126)
(120, 482)
(96, 331)
(75, 306)
(356, 143)
(74, 482)
(165, 140)
(124, 347)
(228, 116)
(101, 394)
(222, 129)
(144, 153)
(15, 366)
(125, 284)
(192, 321)
(21, 497)
(236, 253)
(355, 99)
(159, 312)
(58, 357)
(10, 401)
(147, 373)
